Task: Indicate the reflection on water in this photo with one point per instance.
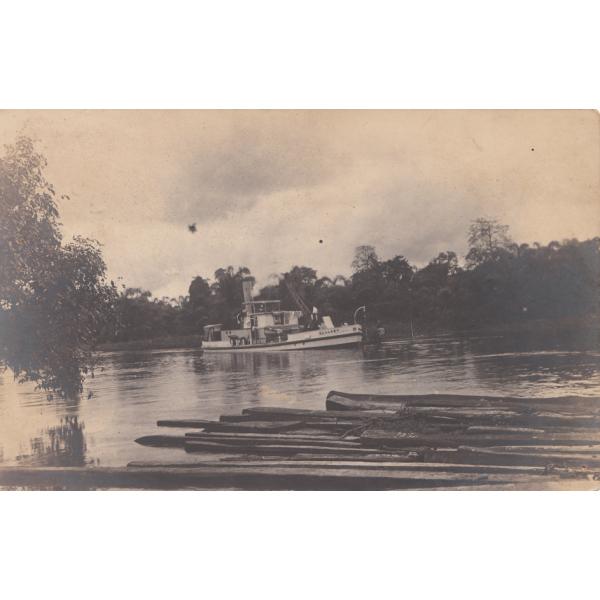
(63, 445)
(132, 390)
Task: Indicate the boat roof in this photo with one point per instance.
(213, 325)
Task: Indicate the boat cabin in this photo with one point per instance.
(268, 313)
(260, 322)
(212, 333)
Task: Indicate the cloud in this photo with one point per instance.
(255, 157)
(265, 186)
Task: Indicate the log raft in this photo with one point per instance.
(365, 442)
(434, 441)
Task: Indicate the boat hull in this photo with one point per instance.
(312, 341)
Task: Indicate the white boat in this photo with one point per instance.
(265, 327)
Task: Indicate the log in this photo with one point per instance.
(381, 438)
(162, 441)
(314, 423)
(590, 450)
(363, 464)
(186, 423)
(258, 478)
(483, 456)
(280, 449)
(322, 419)
(392, 442)
(255, 438)
(475, 410)
(505, 417)
(511, 414)
(279, 412)
(255, 426)
(499, 429)
(406, 455)
(344, 401)
(486, 416)
(246, 426)
(338, 430)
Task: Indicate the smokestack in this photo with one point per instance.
(247, 285)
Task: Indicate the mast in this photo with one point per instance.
(297, 298)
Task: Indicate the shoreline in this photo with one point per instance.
(394, 329)
(212, 476)
(171, 342)
(590, 324)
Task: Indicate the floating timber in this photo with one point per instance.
(365, 442)
(369, 441)
(562, 402)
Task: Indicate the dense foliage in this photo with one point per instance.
(54, 299)
(500, 282)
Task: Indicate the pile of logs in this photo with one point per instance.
(393, 442)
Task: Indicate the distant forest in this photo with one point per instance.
(499, 281)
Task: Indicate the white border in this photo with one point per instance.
(299, 545)
(310, 54)
(285, 55)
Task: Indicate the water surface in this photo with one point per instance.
(132, 390)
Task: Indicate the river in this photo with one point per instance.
(132, 390)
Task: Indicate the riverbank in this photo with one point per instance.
(161, 343)
(266, 477)
(395, 329)
(589, 324)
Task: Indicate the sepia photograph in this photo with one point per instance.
(300, 300)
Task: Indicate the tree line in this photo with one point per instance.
(498, 281)
(57, 304)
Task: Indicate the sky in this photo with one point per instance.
(273, 189)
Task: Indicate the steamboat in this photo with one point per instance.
(264, 326)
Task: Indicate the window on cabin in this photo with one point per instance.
(212, 335)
